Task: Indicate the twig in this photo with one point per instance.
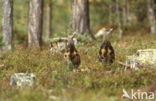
(148, 66)
(123, 64)
(129, 66)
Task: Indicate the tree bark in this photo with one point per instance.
(119, 19)
(128, 3)
(110, 14)
(35, 23)
(48, 20)
(125, 13)
(7, 24)
(151, 17)
(80, 21)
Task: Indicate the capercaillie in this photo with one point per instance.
(106, 52)
(71, 53)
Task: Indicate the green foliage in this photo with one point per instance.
(70, 66)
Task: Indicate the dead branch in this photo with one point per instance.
(122, 64)
(129, 66)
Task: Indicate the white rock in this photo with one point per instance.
(142, 57)
(22, 79)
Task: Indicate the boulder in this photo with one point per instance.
(23, 79)
(145, 57)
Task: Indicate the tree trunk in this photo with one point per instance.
(119, 19)
(110, 14)
(80, 21)
(151, 17)
(48, 21)
(125, 13)
(7, 24)
(35, 23)
(128, 3)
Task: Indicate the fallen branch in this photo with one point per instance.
(122, 64)
(148, 66)
(139, 66)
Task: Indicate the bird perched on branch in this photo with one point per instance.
(71, 53)
(106, 52)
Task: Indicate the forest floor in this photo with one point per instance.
(92, 83)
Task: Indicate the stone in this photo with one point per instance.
(23, 79)
(142, 57)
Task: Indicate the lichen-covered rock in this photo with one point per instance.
(22, 79)
(142, 57)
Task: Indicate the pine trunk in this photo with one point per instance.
(110, 15)
(35, 23)
(80, 21)
(125, 13)
(119, 19)
(48, 21)
(7, 24)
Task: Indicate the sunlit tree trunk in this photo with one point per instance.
(80, 21)
(48, 20)
(7, 24)
(119, 19)
(35, 23)
(151, 16)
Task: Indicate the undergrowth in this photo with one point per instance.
(91, 82)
